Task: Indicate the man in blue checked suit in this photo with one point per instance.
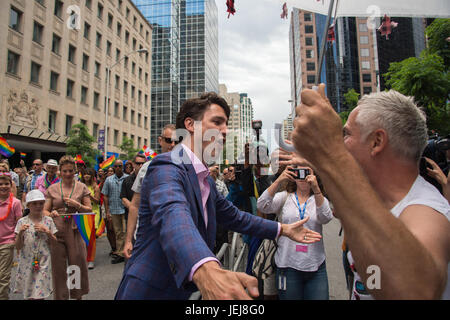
(179, 209)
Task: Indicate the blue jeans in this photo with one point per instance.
(302, 285)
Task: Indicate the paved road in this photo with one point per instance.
(105, 278)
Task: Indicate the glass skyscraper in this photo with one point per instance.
(184, 55)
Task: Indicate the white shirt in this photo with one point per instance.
(287, 254)
(422, 193)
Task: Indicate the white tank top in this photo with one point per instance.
(422, 193)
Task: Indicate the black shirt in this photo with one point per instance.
(126, 191)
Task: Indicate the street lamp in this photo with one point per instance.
(108, 72)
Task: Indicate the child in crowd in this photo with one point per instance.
(10, 213)
(34, 233)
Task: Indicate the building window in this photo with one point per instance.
(97, 68)
(132, 116)
(124, 113)
(364, 40)
(133, 67)
(72, 51)
(38, 31)
(116, 136)
(309, 54)
(127, 37)
(308, 16)
(309, 28)
(119, 29)
(310, 66)
(69, 91)
(367, 90)
(35, 72)
(367, 77)
(96, 100)
(98, 40)
(69, 120)
(145, 122)
(127, 14)
(139, 119)
(364, 52)
(125, 87)
(56, 43)
(108, 48)
(139, 142)
(309, 41)
(117, 54)
(117, 82)
(84, 93)
(365, 65)
(363, 27)
(15, 19)
(87, 30)
(13, 63)
(58, 8)
(132, 92)
(52, 120)
(41, 2)
(85, 62)
(134, 44)
(310, 78)
(95, 131)
(116, 109)
(54, 81)
(110, 20)
(89, 4)
(100, 11)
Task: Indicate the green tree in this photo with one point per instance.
(351, 100)
(127, 147)
(437, 34)
(427, 78)
(80, 142)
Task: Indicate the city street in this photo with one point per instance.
(105, 278)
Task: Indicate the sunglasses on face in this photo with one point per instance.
(169, 140)
(139, 163)
(118, 166)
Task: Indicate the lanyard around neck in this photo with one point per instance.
(300, 209)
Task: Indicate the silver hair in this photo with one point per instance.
(403, 120)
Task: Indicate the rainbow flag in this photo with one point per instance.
(149, 153)
(23, 155)
(108, 162)
(78, 158)
(101, 228)
(86, 226)
(5, 148)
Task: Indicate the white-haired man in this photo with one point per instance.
(396, 223)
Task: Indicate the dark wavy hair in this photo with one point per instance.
(195, 108)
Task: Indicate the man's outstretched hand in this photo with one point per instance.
(298, 233)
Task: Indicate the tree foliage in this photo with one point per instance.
(80, 142)
(351, 100)
(127, 147)
(427, 78)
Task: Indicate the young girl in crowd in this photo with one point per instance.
(34, 233)
(10, 213)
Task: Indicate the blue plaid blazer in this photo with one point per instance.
(172, 236)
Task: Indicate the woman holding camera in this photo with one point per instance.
(301, 269)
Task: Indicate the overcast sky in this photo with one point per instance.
(254, 56)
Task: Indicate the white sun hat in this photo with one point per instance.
(34, 195)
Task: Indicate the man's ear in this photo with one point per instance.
(189, 124)
(378, 141)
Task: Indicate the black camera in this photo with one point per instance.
(301, 174)
(436, 150)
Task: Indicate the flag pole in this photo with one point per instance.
(324, 41)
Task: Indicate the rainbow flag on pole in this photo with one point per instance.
(5, 148)
(23, 155)
(108, 162)
(86, 226)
